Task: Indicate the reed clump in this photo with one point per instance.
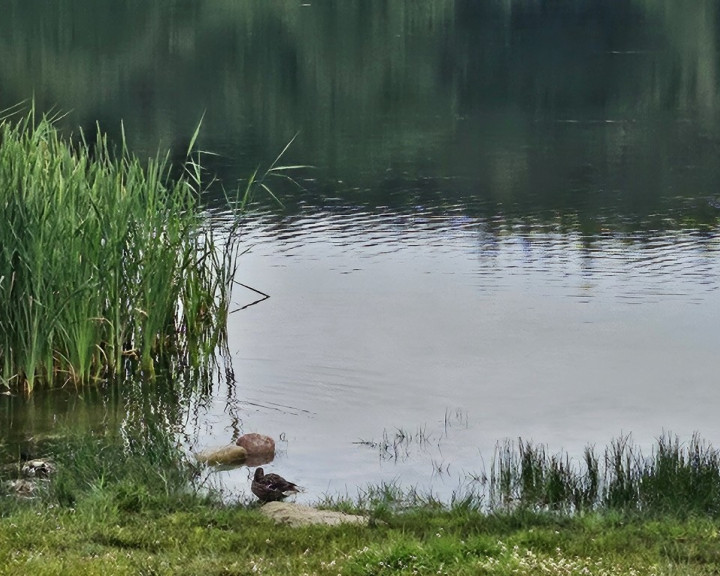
(675, 478)
(106, 263)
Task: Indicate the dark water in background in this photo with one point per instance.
(510, 227)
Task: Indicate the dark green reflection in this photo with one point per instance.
(30, 425)
(603, 111)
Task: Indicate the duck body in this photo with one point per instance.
(271, 487)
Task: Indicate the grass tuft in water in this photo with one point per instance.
(675, 478)
(104, 260)
(681, 477)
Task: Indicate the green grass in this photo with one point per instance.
(106, 263)
(133, 504)
(195, 538)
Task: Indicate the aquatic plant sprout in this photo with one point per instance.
(105, 261)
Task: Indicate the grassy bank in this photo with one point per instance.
(209, 541)
(106, 263)
(133, 504)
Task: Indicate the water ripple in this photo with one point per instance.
(634, 267)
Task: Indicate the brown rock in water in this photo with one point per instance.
(257, 444)
(230, 454)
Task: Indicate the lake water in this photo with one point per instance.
(509, 227)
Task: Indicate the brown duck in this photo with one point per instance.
(271, 487)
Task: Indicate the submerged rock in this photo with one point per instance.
(230, 454)
(298, 515)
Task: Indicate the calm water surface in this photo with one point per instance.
(448, 332)
(510, 226)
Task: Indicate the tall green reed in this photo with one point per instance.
(104, 260)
